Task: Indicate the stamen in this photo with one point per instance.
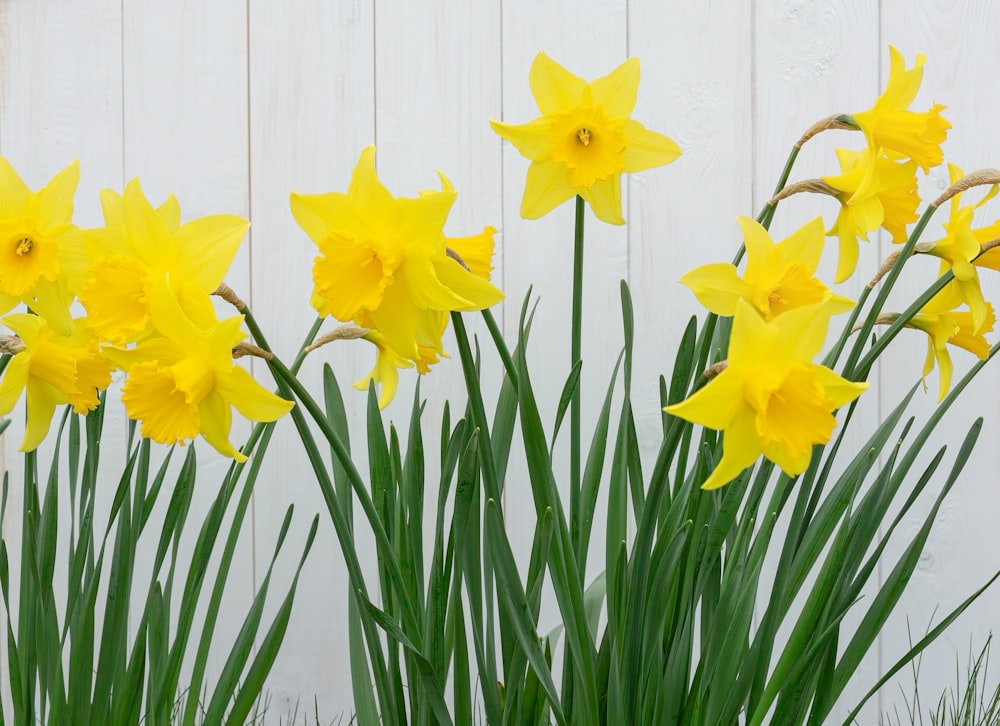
(583, 136)
(24, 246)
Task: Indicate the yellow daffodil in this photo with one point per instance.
(53, 369)
(891, 128)
(771, 399)
(184, 382)
(139, 248)
(41, 252)
(584, 139)
(890, 202)
(945, 326)
(779, 277)
(383, 260)
(960, 246)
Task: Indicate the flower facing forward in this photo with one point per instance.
(41, 252)
(771, 399)
(182, 382)
(890, 202)
(584, 139)
(53, 369)
(384, 263)
(779, 277)
(139, 248)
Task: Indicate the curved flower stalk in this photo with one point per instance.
(384, 260)
(779, 276)
(139, 248)
(52, 369)
(890, 202)
(183, 382)
(584, 139)
(771, 399)
(41, 251)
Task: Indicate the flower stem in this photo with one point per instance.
(575, 355)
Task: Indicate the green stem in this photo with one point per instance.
(575, 357)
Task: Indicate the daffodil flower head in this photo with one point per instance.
(383, 260)
(771, 399)
(890, 200)
(960, 246)
(946, 326)
(53, 369)
(779, 276)
(584, 139)
(41, 252)
(183, 382)
(139, 248)
(890, 127)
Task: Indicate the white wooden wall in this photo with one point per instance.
(230, 104)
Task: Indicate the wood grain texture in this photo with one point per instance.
(962, 58)
(60, 99)
(814, 58)
(312, 110)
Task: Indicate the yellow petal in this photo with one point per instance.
(531, 139)
(320, 214)
(54, 202)
(740, 449)
(15, 378)
(250, 398)
(216, 422)
(717, 287)
(605, 198)
(555, 88)
(170, 213)
(545, 189)
(14, 193)
(151, 397)
(476, 251)
(477, 292)
(645, 149)
(617, 91)
(804, 245)
(41, 401)
(715, 405)
(369, 197)
(207, 246)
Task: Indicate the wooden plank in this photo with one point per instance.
(311, 112)
(811, 60)
(588, 38)
(959, 558)
(185, 132)
(60, 99)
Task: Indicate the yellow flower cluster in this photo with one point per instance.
(386, 265)
(144, 280)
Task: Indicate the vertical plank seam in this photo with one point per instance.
(879, 654)
(503, 217)
(250, 287)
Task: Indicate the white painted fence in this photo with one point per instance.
(230, 104)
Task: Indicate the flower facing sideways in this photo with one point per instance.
(139, 248)
(946, 326)
(891, 128)
(384, 263)
(771, 399)
(890, 202)
(53, 369)
(779, 277)
(584, 139)
(183, 381)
